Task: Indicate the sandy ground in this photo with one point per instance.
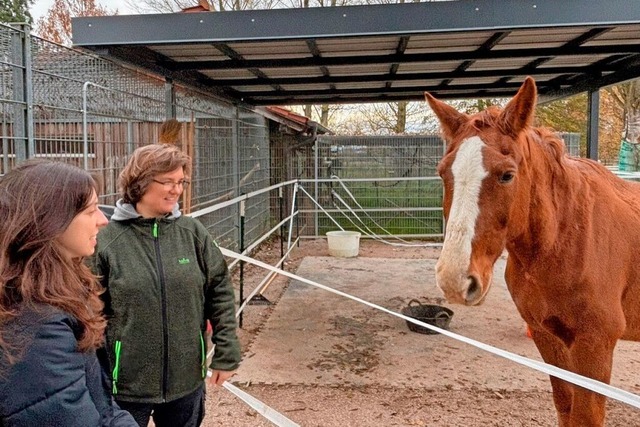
(323, 360)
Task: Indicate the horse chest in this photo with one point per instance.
(536, 292)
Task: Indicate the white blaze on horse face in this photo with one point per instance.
(452, 269)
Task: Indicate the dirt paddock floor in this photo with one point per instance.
(321, 359)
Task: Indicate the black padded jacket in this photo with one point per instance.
(51, 382)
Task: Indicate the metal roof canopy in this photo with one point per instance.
(382, 53)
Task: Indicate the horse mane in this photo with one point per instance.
(550, 142)
(543, 137)
(170, 132)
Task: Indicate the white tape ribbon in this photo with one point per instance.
(269, 413)
(582, 381)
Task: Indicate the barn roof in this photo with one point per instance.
(382, 53)
(293, 120)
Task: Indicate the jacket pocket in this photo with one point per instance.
(116, 366)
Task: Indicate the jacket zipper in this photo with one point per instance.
(203, 355)
(165, 332)
(116, 368)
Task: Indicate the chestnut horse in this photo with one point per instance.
(572, 232)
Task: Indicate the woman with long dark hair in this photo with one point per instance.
(51, 320)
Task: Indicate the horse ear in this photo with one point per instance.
(451, 120)
(518, 113)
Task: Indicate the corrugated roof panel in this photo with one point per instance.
(539, 38)
(280, 49)
(449, 40)
(371, 50)
(473, 81)
(420, 67)
(360, 70)
(293, 72)
(443, 49)
(363, 85)
(357, 47)
(624, 34)
(499, 64)
(415, 83)
(228, 74)
(190, 52)
(309, 87)
(576, 60)
(248, 89)
(269, 54)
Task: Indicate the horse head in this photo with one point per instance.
(483, 173)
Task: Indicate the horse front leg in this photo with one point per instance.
(555, 353)
(589, 356)
(592, 356)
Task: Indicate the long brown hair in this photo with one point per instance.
(38, 201)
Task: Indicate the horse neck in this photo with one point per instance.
(545, 199)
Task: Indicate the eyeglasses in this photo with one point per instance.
(170, 185)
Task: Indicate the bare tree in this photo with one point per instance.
(627, 96)
(396, 118)
(158, 6)
(169, 6)
(55, 25)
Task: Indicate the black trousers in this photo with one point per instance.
(188, 411)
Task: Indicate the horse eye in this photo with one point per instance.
(506, 177)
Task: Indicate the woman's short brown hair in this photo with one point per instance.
(147, 162)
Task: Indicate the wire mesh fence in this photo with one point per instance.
(68, 105)
(13, 97)
(383, 184)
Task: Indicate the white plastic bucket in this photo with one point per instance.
(344, 244)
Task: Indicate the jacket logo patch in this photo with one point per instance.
(183, 261)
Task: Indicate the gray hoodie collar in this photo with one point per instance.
(125, 211)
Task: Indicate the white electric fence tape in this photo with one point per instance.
(266, 411)
(582, 381)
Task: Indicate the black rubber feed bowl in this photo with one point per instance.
(432, 314)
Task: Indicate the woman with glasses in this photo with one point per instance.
(51, 320)
(164, 278)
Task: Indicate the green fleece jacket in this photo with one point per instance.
(163, 278)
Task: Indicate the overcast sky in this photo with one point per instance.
(40, 7)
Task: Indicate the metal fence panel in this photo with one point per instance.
(386, 184)
(70, 105)
(13, 97)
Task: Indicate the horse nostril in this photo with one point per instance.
(473, 290)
